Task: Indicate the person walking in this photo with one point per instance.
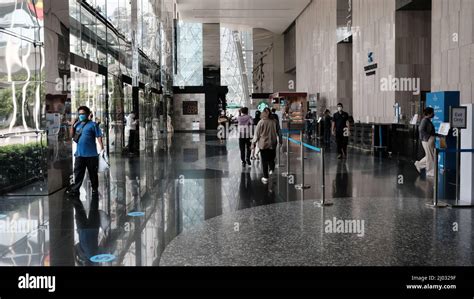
(275, 115)
(340, 125)
(427, 137)
(132, 123)
(327, 127)
(245, 135)
(267, 137)
(85, 133)
(256, 151)
(309, 124)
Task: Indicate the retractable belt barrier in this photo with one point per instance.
(435, 203)
(303, 145)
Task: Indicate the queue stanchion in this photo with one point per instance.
(302, 186)
(323, 202)
(287, 173)
(435, 203)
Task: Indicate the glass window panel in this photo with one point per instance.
(190, 59)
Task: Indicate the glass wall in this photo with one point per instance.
(234, 45)
(190, 51)
(22, 142)
(100, 47)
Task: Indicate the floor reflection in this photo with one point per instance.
(177, 184)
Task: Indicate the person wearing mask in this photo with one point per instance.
(340, 127)
(327, 127)
(267, 137)
(132, 128)
(245, 135)
(256, 151)
(85, 133)
(427, 137)
(275, 116)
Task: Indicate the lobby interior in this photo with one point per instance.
(185, 199)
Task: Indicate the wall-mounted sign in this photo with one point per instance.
(370, 69)
(458, 117)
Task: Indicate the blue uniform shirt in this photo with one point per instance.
(87, 146)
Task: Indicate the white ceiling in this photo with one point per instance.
(273, 15)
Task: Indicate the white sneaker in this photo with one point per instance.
(270, 172)
(417, 167)
(264, 181)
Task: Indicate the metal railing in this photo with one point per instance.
(318, 150)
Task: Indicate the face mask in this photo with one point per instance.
(339, 109)
(82, 117)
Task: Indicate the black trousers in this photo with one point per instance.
(341, 142)
(268, 161)
(244, 144)
(327, 136)
(132, 141)
(80, 166)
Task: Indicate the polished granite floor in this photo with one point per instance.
(187, 201)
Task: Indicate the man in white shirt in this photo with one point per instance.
(132, 128)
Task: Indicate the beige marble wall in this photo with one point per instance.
(373, 31)
(263, 61)
(452, 65)
(413, 57)
(344, 75)
(316, 51)
(281, 79)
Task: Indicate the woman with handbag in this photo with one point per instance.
(267, 136)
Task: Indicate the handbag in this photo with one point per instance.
(103, 162)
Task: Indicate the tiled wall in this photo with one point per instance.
(185, 122)
(316, 52)
(452, 65)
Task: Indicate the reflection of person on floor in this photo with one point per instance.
(245, 191)
(267, 137)
(340, 125)
(85, 133)
(341, 181)
(427, 137)
(87, 228)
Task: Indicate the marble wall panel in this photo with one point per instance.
(316, 51)
(452, 47)
(183, 122)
